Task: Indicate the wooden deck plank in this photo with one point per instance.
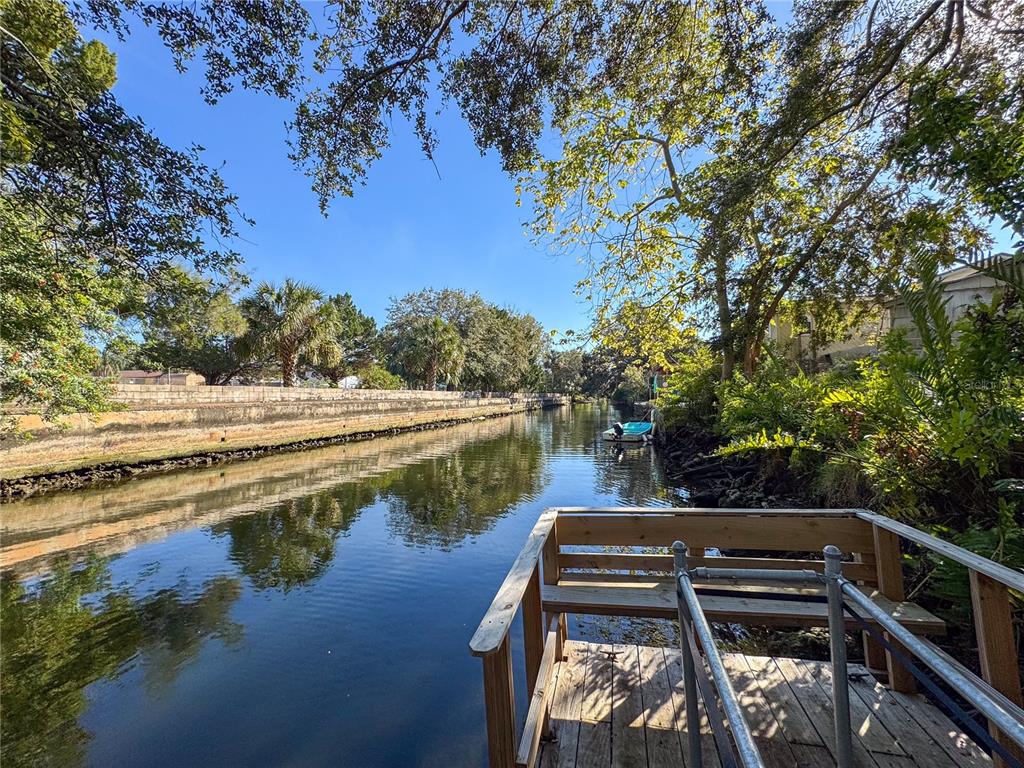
(566, 709)
(663, 747)
(795, 723)
(818, 707)
(597, 690)
(953, 741)
(595, 748)
(755, 706)
(674, 667)
(864, 722)
(764, 727)
(810, 756)
(595, 743)
(912, 738)
(629, 743)
(623, 705)
(659, 711)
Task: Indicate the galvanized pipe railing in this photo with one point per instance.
(837, 648)
(840, 590)
(692, 618)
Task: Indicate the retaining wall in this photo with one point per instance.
(167, 421)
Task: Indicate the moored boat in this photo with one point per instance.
(630, 432)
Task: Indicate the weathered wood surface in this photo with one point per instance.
(711, 511)
(997, 646)
(540, 702)
(500, 707)
(494, 627)
(657, 599)
(1007, 576)
(890, 583)
(617, 561)
(784, 533)
(622, 705)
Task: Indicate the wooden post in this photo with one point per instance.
(874, 652)
(997, 647)
(549, 556)
(889, 567)
(533, 629)
(500, 705)
(552, 572)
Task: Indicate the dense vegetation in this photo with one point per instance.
(293, 331)
(719, 173)
(114, 250)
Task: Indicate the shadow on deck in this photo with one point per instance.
(622, 705)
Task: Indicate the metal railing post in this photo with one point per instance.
(679, 552)
(837, 644)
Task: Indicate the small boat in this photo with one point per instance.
(630, 432)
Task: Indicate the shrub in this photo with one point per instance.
(690, 396)
(376, 377)
(633, 388)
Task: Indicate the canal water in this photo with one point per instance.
(303, 609)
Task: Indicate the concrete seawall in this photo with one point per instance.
(164, 421)
(108, 519)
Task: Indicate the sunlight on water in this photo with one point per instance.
(307, 608)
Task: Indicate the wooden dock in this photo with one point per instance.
(622, 705)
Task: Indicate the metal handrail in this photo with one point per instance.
(841, 590)
(691, 617)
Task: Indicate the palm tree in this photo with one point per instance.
(287, 322)
(429, 349)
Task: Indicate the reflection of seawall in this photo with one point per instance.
(114, 519)
(160, 422)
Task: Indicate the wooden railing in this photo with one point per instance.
(542, 646)
(873, 540)
(991, 585)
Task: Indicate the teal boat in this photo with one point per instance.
(630, 432)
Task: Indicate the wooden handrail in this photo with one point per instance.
(873, 538)
(494, 627)
(752, 512)
(749, 530)
(1007, 576)
(993, 618)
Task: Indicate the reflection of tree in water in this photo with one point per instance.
(578, 429)
(633, 475)
(294, 543)
(75, 628)
(436, 502)
(440, 501)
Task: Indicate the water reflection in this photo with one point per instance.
(121, 517)
(294, 543)
(75, 627)
(441, 501)
(329, 592)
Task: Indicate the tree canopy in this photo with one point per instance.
(290, 322)
(714, 166)
(715, 170)
(501, 350)
(95, 210)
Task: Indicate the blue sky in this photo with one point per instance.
(405, 230)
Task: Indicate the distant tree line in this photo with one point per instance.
(295, 333)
